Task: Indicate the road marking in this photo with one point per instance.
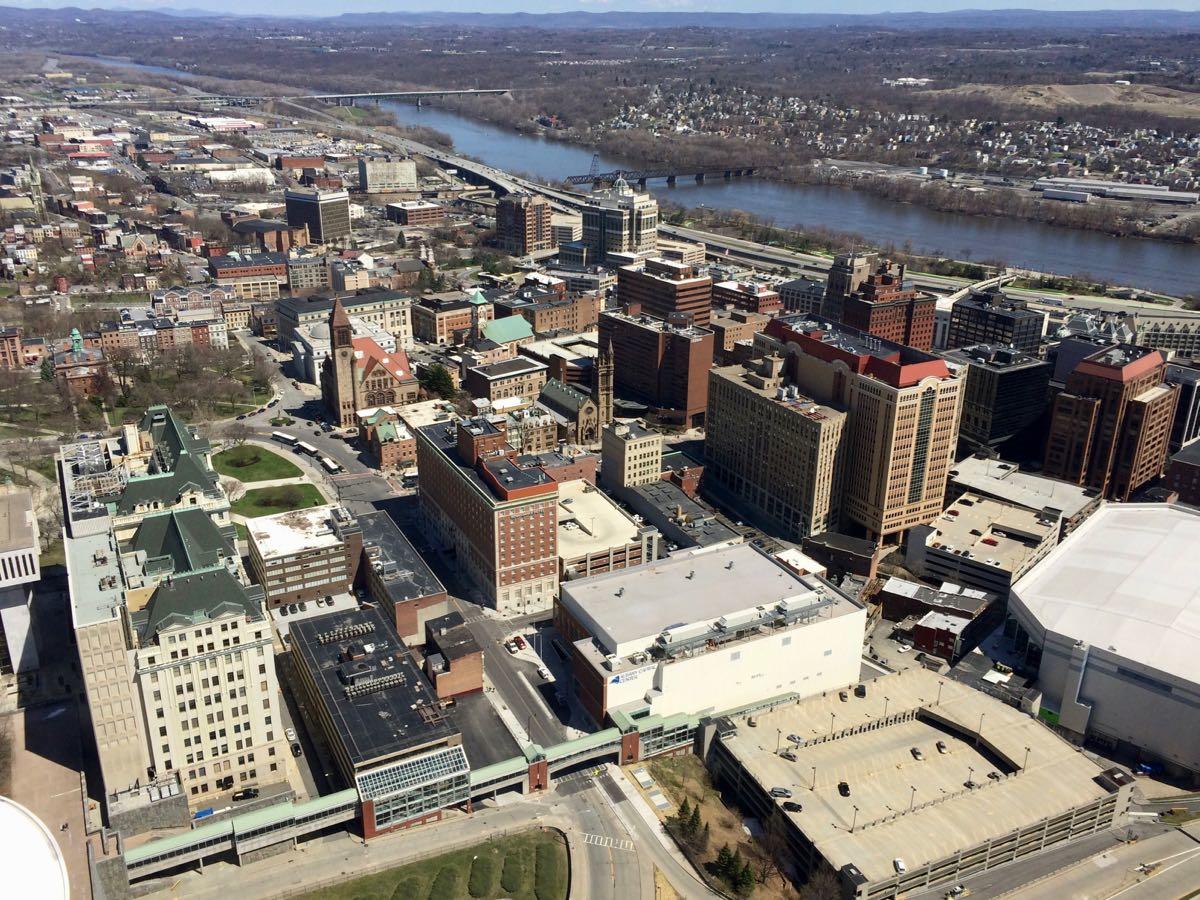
(603, 840)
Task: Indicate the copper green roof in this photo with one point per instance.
(197, 598)
(503, 331)
(180, 541)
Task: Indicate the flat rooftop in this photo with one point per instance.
(919, 810)
(588, 522)
(626, 610)
(94, 578)
(1125, 581)
(664, 500)
(1005, 481)
(427, 412)
(403, 571)
(376, 696)
(507, 368)
(297, 531)
(18, 526)
(989, 529)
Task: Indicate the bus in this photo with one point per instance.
(330, 466)
(284, 438)
(307, 448)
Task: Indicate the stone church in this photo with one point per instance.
(359, 374)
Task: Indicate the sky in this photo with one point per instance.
(323, 7)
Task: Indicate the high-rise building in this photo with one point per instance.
(773, 454)
(1111, 427)
(883, 306)
(620, 220)
(662, 287)
(989, 317)
(903, 407)
(497, 512)
(846, 274)
(630, 454)
(1006, 392)
(663, 364)
(1186, 427)
(523, 223)
(386, 175)
(326, 213)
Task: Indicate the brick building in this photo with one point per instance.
(359, 374)
(416, 212)
(397, 578)
(12, 354)
(1110, 428)
(884, 307)
(304, 554)
(523, 224)
(750, 296)
(662, 287)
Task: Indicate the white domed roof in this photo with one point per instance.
(30, 856)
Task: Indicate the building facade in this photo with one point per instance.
(620, 220)
(326, 214)
(523, 224)
(662, 288)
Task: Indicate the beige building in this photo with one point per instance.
(620, 220)
(630, 454)
(251, 287)
(383, 175)
(773, 453)
(305, 554)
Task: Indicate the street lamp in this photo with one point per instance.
(1025, 765)
(832, 717)
(886, 701)
(970, 775)
(814, 779)
(778, 739)
(979, 730)
(854, 821)
(939, 696)
(912, 798)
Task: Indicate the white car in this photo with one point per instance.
(544, 673)
(290, 734)
(898, 865)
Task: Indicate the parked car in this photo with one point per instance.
(843, 788)
(290, 734)
(510, 646)
(519, 641)
(242, 416)
(788, 755)
(246, 794)
(898, 865)
(796, 739)
(941, 747)
(283, 610)
(303, 606)
(780, 792)
(544, 673)
(843, 696)
(860, 690)
(297, 750)
(792, 806)
(917, 754)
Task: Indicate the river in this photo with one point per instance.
(1171, 268)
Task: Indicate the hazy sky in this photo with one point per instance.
(323, 7)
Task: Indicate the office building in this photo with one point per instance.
(303, 554)
(620, 219)
(663, 364)
(702, 631)
(325, 213)
(878, 822)
(1108, 622)
(565, 228)
(380, 718)
(733, 334)
(902, 406)
(307, 274)
(630, 454)
(20, 552)
(1186, 426)
(771, 453)
(523, 224)
(416, 212)
(982, 543)
(846, 275)
(1007, 482)
(499, 516)
(386, 175)
(359, 374)
(520, 379)
(989, 317)
(451, 318)
(250, 276)
(389, 311)
(883, 306)
(453, 657)
(398, 579)
(802, 295)
(548, 311)
(1006, 393)
(1110, 428)
(662, 288)
(750, 296)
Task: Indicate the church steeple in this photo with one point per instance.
(602, 382)
(340, 331)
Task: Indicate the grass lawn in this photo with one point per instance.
(271, 500)
(527, 866)
(251, 463)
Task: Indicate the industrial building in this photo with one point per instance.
(912, 782)
(1108, 621)
(704, 630)
(388, 734)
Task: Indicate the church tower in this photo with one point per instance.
(602, 383)
(337, 377)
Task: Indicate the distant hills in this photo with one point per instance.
(1123, 20)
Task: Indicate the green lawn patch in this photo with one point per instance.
(519, 860)
(249, 462)
(271, 500)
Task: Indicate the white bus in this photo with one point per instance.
(284, 438)
(330, 466)
(307, 448)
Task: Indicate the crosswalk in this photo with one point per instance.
(603, 840)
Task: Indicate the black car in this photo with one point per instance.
(246, 794)
(860, 690)
(242, 416)
(792, 806)
(843, 789)
(297, 750)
